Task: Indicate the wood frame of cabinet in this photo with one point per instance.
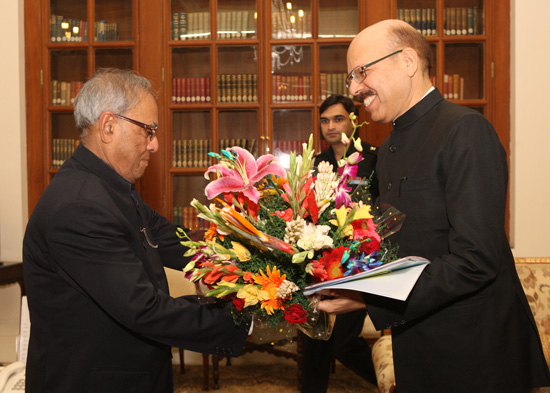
(151, 21)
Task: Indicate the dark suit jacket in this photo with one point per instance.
(365, 167)
(466, 326)
(101, 316)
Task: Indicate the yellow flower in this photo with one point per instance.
(241, 251)
(252, 294)
(362, 212)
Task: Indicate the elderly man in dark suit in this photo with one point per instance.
(466, 326)
(94, 253)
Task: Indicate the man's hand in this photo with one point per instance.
(342, 301)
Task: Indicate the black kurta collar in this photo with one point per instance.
(418, 110)
(97, 166)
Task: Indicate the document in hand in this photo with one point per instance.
(394, 280)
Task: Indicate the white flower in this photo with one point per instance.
(315, 238)
(357, 144)
(325, 185)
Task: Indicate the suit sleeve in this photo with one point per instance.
(94, 252)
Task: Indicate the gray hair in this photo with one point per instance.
(109, 89)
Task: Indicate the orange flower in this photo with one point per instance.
(248, 277)
(212, 232)
(270, 282)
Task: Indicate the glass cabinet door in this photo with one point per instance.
(113, 20)
(464, 72)
(190, 20)
(332, 70)
(238, 128)
(291, 19)
(237, 74)
(338, 19)
(68, 70)
(236, 19)
(191, 75)
(191, 133)
(291, 128)
(68, 21)
(291, 73)
(184, 190)
(64, 138)
(114, 58)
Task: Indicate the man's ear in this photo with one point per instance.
(411, 59)
(106, 124)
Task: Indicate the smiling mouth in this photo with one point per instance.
(368, 100)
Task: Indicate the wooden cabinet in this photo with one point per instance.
(241, 72)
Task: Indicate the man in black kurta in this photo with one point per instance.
(466, 326)
(345, 344)
(102, 318)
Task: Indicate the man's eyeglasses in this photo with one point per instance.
(359, 73)
(150, 128)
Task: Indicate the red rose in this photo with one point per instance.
(238, 302)
(295, 314)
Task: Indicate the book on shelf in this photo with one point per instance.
(291, 23)
(291, 88)
(190, 26)
(463, 21)
(422, 19)
(246, 143)
(105, 31)
(187, 217)
(453, 87)
(62, 149)
(190, 153)
(64, 93)
(67, 29)
(191, 90)
(236, 24)
(235, 88)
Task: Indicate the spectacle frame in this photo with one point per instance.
(358, 74)
(151, 129)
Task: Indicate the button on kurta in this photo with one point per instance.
(393, 149)
(389, 186)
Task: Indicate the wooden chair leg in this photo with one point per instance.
(216, 371)
(205, 370)
(182, 363)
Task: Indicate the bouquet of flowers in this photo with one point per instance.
(275, 231)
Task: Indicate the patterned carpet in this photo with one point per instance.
(267, 378)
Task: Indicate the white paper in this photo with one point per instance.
(394, 280)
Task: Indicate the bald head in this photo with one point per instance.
(392, 34)
(389, 65)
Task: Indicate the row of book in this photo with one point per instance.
(64, 93)
(422, 19)
(453, 87)
(68, 29)
(187, 216)
(237, 88)
(458, 20)
(105, 31)
(291, 88)
(191, 90)
(333, 83)
(190, 153)
(288, 23)
(463, 21)
(190, 26)
(236, 24)
(249, 144)
(62, 149)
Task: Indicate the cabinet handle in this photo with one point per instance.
(262, 137)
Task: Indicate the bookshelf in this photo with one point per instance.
(240, 72)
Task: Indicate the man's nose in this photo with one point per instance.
(153, 145)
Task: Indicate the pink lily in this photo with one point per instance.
(242, 175)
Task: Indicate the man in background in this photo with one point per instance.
(466, 326)
(94, 253)
(345, 343)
